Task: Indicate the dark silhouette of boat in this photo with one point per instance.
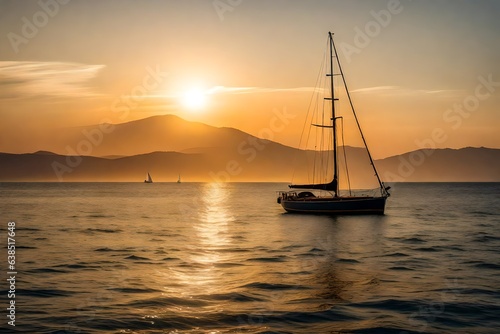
(334, 203)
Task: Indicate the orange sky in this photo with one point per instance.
(421, 73)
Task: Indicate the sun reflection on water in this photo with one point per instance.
(210, 228)
(214, 216)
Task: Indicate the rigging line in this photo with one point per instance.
(321, 120)
(316, 141)
(318, 154)
(320, 103)
(329, 158)
(322, 145)
(325, 143)
(308, 140)
(382, 187)
(345, 158)
(309, 109)
(318, 78)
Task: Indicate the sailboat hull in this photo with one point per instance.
(335, 205)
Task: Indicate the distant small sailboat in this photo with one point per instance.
(334, 203)
(179, 179)
(148, 179)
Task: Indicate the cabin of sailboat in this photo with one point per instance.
(330, 162)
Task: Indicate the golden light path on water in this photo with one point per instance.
(210, 227)
(211, 231)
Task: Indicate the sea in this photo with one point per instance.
(221, 258)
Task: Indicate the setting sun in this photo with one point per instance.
(194, 99)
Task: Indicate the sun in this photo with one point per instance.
(194, 99)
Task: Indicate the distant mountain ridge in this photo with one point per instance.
(275, 165)
(167, 146)
(152, 134)
(444, 165)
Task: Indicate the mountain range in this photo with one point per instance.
(168, 146)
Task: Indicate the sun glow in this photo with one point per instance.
(194, 99)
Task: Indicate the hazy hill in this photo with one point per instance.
(443, 165)
(157, 133)
(271, 163)
(204, 153)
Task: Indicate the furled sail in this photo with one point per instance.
(332, 186)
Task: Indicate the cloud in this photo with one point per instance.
(239, 90)
(377, 89)
(32, 79)
(231, 90)
(402, 91)
(250, 90)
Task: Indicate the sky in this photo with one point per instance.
(421, 73)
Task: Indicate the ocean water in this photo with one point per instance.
(225, 258)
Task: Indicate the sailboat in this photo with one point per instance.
(148, 179)
(330, 201)
(179, 179)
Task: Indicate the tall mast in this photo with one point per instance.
(335, 168)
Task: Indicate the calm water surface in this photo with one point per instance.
(224, 258)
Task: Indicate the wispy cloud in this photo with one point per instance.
(377, 89)
(402, 91)
(239, 90)
(250, 90)
(231, 90)
(32, 79)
